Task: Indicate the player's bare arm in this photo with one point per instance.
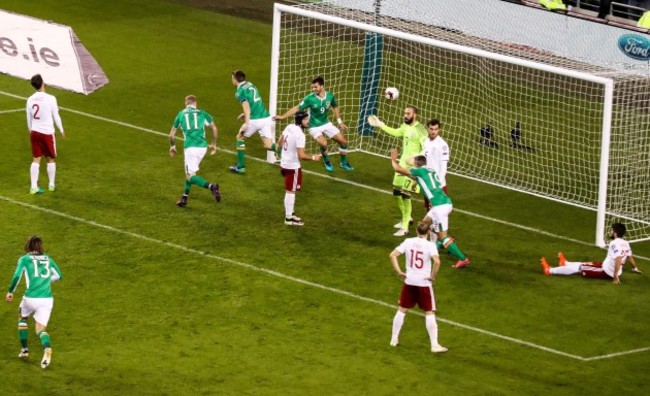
(617, 268)
(215, 135)
(304, 156)
(396, 166)
(337, 114)
(9, 297)
(286, 115)
(435, 267)
(172, 142)
(393, 259)
(247, 116)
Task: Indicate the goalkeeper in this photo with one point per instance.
(413, 135)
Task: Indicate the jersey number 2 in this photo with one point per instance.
(36, 109)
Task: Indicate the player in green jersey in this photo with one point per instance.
(438, 216)
(319, 103)
(413, 135)
(192, 122)
(40, 271)
(256, 120)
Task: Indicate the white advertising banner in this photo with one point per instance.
(31, 46)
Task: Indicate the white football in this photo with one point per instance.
(391, 93)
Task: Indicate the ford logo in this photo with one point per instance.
(634, 46)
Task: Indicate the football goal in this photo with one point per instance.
(515, 116)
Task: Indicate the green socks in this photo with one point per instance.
(188, 185)
(241, 153)
(450, 244)
(199, 181)
(344, 156)
(45, 339)
(323, 151)
(23, 332)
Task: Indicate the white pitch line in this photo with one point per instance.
(278, 274)
(11, 111)
(514, 225)
(611, 355)
(359, 185)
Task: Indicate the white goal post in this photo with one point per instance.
(572, 119)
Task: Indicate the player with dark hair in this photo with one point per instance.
(418, 283)
(319, 103)
(437, 152)
(618, 253)
(438, 216)
(42, 113)
(515, 137)
(256, 120)
(413, 135)
(192, 122)
(292, 143)
(40, 271)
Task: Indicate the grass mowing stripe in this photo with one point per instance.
(281, 275)
(465, 212)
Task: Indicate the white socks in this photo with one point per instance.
(289, 203)
(398, 321)
(33, 173)
(569, 268)
(51, 172)
(432, 329)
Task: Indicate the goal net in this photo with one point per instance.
(514, 116)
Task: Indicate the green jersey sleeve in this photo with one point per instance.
(18, 273)
(399, 132)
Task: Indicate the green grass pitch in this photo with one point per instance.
(225, 299)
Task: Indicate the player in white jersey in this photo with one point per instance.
(418, 280)
(292, 143)
(437, 152)
(42, 113)
(618, 252)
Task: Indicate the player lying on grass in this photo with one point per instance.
(438, 216)
(618, 253)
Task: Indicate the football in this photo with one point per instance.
(391, 93)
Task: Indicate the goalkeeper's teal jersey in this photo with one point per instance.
(247, 92)
(192, 122)
(430, 186)
(318, 108)
(37, 270)
(413, 137)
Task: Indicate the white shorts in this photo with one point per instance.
(440, 216)
(328, 130)
(264, 126)
(193, 157)
(41, 308)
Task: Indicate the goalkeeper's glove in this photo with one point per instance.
(374, 121)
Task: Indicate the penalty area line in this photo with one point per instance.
(281, 275)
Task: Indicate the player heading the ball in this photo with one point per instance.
(319, 103)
